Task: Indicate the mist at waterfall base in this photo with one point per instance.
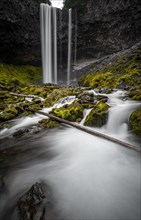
(89, 177)
(54, 68)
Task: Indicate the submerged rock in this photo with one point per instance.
(48, 123)
(36, 204)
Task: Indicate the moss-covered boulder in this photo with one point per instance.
(55, 94)
(73, 112)
(98, 115)
(135, 94)
(123, 72)
(135, 122)
(48, 123)
(8, 113)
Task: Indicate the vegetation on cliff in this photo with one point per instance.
(14, 76)
(124, 72)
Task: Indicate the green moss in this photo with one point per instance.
(135, 94)
(135, 122)
(73, 112)
(123, 73)
(98, 115)
(4, 125)
(48, 123)
(8, 113)
(54, 95)
(14, 76)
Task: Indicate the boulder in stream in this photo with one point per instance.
(36, 204)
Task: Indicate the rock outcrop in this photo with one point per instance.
(19, 31)
(108, 26)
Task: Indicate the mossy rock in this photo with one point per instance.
(124, 72)
(55, 94)
(8, 113)
(48, 123)
(6, 116)
(135, 94)
(12, 76)
(135, 122)
(4, 125)
(98, 115)
(73, 112)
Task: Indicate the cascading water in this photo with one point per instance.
(75, 44)
(49, 57)
(90, 178)
(55, 45)
(119, 113)
(69, 46)
(48, 24)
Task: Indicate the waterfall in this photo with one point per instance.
(120, 114)
(75, 43)
(55, 45)
(48, 24)
(60, 40)
(48, 42)
(69, 46)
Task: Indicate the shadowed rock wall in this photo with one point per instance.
(19, 31)
(108, 26)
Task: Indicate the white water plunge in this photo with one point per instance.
(69, 46)
(48, 24)
(47, 35)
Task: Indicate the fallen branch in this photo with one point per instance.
(22, 95)
(88, 130)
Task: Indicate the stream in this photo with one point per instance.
(89, 177)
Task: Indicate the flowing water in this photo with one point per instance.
(90, 178)
(48, 26)
(48, 43)
(69, 45)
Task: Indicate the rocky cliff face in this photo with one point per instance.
(105, 27)
(108, 26)
(19, 31)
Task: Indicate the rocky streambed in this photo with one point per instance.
(23, 143)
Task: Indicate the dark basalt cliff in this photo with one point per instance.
(19, 31)
(108, 26)
(104, 27)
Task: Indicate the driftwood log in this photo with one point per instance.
(88, 130)
(22, 95)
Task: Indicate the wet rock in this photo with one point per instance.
(36, 204)
(21, 132)
(102, 98)
(135, 122)
(73, 112)
(27, 131)
(36, 100)
(48, 123)
(135, 94)
(98, 115)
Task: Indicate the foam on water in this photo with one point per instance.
(91, 178)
